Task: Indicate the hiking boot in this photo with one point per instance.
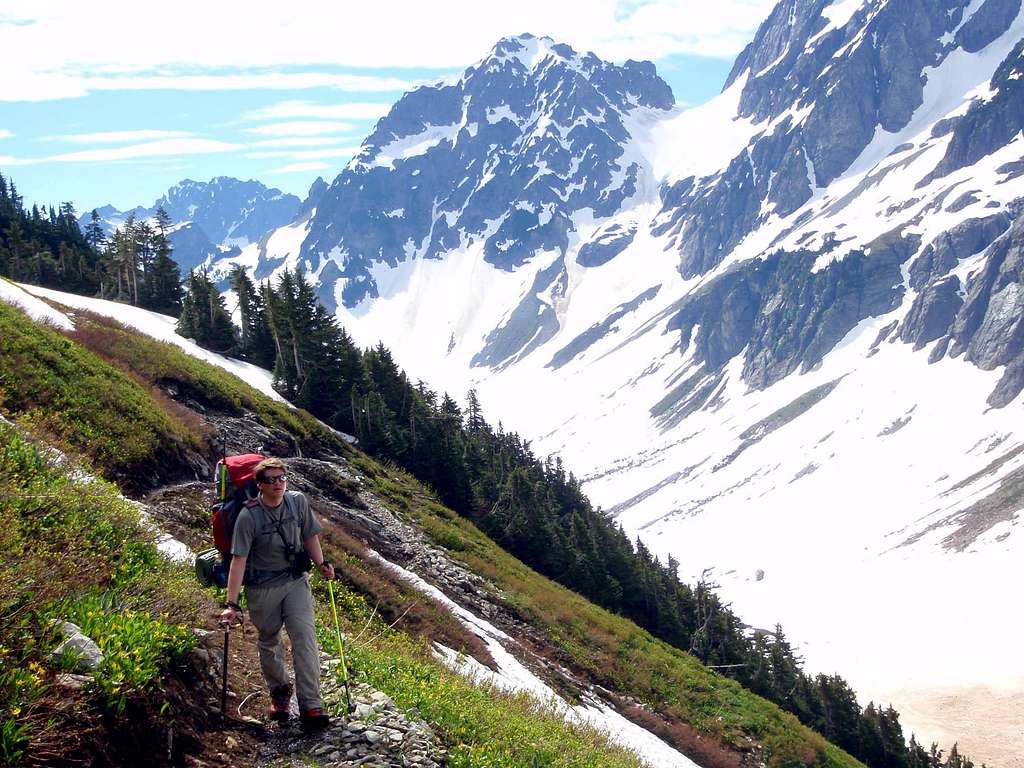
(280, 703)
(314, 717)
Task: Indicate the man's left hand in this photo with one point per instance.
(326, 571)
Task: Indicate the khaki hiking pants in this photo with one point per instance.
(288, 605)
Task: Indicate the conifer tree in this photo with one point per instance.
(204, 318)
(94, 234)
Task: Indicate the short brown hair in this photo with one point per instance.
(265, 465)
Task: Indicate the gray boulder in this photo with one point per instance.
(77, 645)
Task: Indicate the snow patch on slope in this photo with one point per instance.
(512, 675)
(18, 296)
(161, 327)
(410, 146)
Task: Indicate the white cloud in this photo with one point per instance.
(49, 85)
(167, 147)
(5, 134)
(309, 154)
(292, 109)
(71, 48)
(301, 141)
(300, 167)
(300, 128)
(112, 137)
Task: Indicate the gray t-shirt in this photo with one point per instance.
(256, 537)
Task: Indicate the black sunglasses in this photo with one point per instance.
(272, 480)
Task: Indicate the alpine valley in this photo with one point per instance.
(779, 335)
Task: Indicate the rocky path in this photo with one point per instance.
(376, 735)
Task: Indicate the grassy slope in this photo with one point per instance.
(119, 421)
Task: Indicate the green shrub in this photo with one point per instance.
(68, 392)
(136, 647)
(66, 537)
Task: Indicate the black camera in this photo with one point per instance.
(301, 563)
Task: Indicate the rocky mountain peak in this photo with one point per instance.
(505, 156)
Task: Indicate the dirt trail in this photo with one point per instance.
(375, 735)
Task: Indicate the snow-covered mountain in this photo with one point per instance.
(211, 220)
(781, 334)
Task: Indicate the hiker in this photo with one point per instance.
(276, 540)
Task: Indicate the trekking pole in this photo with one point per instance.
(341, 646)
(224, 674)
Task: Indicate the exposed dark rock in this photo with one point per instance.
(531, 324)
(939, 350)
(606, 245)
(966, 199)
(326, 280)
(598, 331)
(989, 328)
(685, 399)
(785, 315)
(1001, 505)
(944, 252)
(313, 197)
(944, 127)
(988, 125)
(1011, 383)
(778, 419)
(932, 312)
(807, 470)
(192, 247)
(988, 23)
(896, 425)
(1010, 171)
(884, 334)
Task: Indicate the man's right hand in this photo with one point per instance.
(230, 616)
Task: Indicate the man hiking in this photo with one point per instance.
(274, 535)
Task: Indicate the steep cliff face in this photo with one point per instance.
(989, 328)
(820, 81)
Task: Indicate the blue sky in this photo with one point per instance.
(102, 104)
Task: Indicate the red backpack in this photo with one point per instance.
(236, 485)
(236, 489)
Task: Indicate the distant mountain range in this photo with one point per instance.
(211, 219)
(781, 334)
